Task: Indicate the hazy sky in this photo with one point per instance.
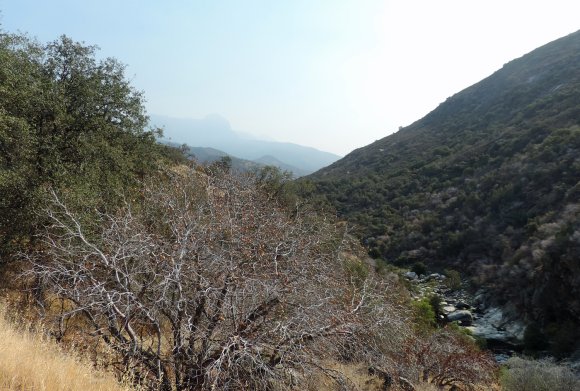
(332, 74)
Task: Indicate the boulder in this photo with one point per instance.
(436, 276)
(410, 275)
(464, 317)
(492, 324)
(449, 309)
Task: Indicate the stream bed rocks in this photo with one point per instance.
(503, 333)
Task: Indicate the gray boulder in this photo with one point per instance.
(464, 317)
(448, 309)
(436, 276)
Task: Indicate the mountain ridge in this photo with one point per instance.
(208, 155)
(215, 132)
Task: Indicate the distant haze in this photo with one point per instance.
(334, 75)
(215, 131)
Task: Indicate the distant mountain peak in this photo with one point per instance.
(215, 131)
(218, 121)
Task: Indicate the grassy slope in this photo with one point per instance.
(28, 362)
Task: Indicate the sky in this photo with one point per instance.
(332, 74)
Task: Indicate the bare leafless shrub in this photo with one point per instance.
(206, 283)
(538, 375)
(447, 358)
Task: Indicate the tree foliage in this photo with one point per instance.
(70, 121)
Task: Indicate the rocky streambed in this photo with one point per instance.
(503, 333)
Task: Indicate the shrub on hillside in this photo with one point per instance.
(453, 280)
(425, 317)
(534, 339)
(538, 375)
(447, 358)
(208, 282)
(419, 268)
(564, 337)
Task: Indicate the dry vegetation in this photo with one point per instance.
(30, 362)
(210, 282)
(207, 282)
(539, 375)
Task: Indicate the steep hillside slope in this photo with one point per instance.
(489, 181)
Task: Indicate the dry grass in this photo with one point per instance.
(356, 377)
(29, 362)
(426, 387)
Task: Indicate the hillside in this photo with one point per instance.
(215, 131)
(206, 155)
(269, 160)
(488, 182)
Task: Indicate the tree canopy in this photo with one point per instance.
(68, 120)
